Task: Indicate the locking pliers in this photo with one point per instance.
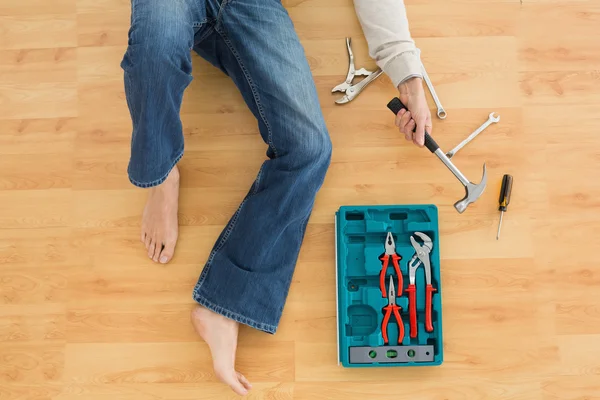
(350, 90)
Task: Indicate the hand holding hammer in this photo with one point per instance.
(472, 191)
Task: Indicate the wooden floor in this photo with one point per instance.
(85, 315)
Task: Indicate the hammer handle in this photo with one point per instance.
(396, 105)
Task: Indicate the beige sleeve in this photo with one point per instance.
(385, 26)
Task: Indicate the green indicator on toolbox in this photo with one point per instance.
(389, 291)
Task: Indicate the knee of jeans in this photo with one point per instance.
(157, 44)
(317, 148)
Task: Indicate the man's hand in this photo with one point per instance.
(418, 114)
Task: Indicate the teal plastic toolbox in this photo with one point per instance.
(363, 293)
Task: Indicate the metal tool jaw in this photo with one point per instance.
(392, 292)
(421, 257)
(350, 90)
(413, 264)
(390, 245)
(352, 72)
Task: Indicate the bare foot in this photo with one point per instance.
(159, 221)
(220, 334)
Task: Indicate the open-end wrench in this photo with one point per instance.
(491, 120)
(441, 113)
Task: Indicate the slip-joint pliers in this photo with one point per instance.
(421, 256)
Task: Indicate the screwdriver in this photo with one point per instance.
(507, 181)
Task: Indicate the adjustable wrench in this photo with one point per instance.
(441, 113)
(491, 120)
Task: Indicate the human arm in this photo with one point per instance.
(385, 25)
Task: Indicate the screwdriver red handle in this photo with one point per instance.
(428, 293)
(412, 309)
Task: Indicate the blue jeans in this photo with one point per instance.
(249, 270)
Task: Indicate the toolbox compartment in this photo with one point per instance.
(360, 238)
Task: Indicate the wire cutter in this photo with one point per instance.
(390, 251)
(421, 257)
(350, 90)
(392, 307)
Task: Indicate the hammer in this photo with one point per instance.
(472, 191)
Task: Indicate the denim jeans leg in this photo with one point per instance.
(250, 268)
(157, 69)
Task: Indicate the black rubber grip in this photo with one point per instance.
(505, 190)
(396, 105)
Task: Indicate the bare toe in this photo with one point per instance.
(167, 252)
(151, 248)
(147, 241)
(244, 381)
(230, 378)
(157, 251)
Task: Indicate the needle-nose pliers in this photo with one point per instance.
(392, 307)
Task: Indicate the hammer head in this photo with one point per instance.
(473, 191)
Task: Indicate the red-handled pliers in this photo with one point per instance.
(392, 307)
(390, 251)
(421, 257)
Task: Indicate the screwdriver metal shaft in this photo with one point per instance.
(499, 225)
(504, 200)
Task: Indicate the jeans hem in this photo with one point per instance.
(158, 181)
(268, 328)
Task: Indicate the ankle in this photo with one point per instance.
(173, 176)
(170, 182)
